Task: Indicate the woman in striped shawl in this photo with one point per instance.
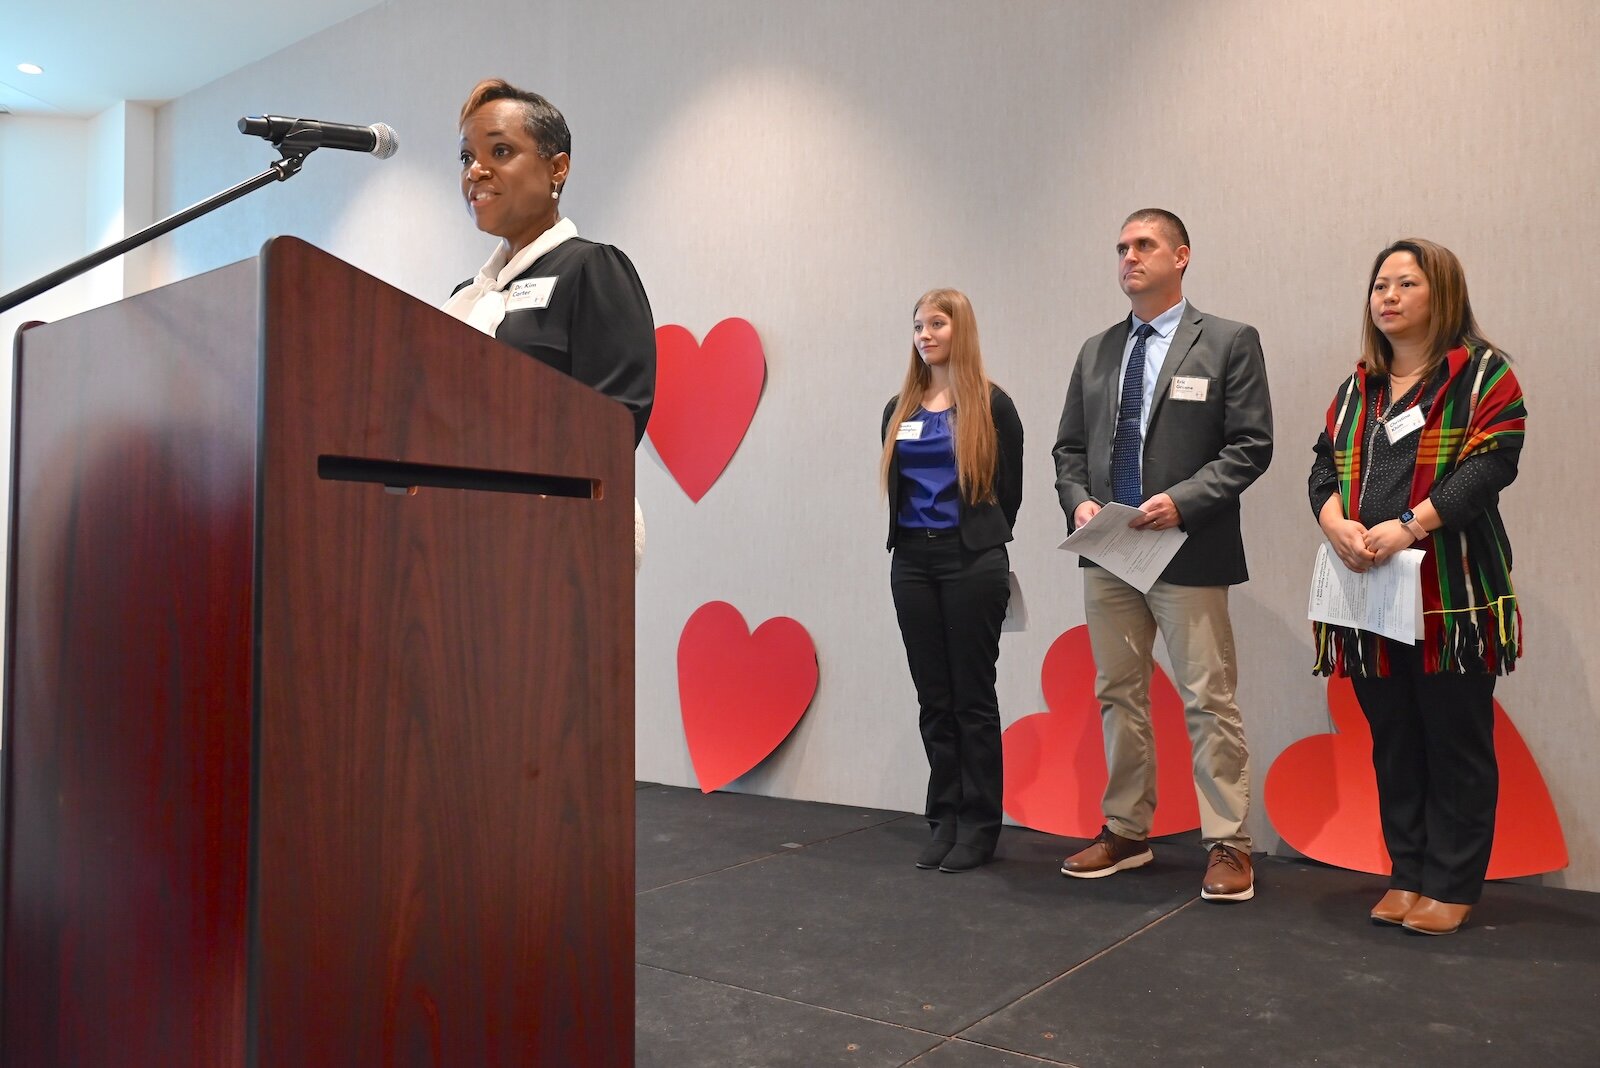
(1418, 444)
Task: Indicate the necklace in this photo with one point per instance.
(1415, 387)
(1384, 415)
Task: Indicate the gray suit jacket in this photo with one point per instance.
(1201, 453)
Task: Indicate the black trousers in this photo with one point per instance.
(1438, 782)
(950, 602)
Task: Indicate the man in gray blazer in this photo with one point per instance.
(1167, 411)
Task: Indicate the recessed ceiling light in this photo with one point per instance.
(30, 68)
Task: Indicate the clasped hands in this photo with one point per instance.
(1361, 548)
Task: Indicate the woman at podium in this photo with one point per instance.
(1415, 449)
(573, 304)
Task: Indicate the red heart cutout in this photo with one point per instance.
(1055, 761)
(1322, 797)
(1321, 794)
(740, 693)
(706, 395)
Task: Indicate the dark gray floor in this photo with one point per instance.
(784, 933)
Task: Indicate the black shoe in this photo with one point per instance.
(933, 853)
(965, 858)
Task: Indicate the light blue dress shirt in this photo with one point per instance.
(1155, 353)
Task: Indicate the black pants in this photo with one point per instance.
(1438, 782)
(950, 602)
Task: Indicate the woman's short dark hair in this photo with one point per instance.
(541, 119)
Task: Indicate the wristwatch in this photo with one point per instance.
(1408, 519)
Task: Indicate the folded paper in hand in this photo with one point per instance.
(1137, 557)
(1385, 600)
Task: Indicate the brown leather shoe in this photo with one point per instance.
(1432, 917)
(1229, 875)
(1394, 906)
(1109, 854)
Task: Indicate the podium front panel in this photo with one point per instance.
(128, 689)
(444, 799)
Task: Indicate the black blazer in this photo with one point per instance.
(597, 327)
(986, 525)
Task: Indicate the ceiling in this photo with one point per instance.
(97, 52)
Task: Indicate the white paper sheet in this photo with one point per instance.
(1137, 557)
(1385, 600)
(1016, 608)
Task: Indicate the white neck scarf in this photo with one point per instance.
(481, 303)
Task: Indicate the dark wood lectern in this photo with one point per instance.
(319, 709)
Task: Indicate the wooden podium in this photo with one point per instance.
(319, 703)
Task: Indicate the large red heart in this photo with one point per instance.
(1322, 797)
(1055, 761)
(740, 693)
(706, 395)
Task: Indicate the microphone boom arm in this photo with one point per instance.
(280, 171)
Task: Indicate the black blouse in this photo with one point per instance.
(1459, 495)
(596, 328)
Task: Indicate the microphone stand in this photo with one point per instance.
(280, 171)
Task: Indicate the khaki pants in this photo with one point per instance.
(1194, 624)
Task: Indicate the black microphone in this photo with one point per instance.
(378, 139)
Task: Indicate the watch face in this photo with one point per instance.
(1407, 516)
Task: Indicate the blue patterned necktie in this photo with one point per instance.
(1128, 443)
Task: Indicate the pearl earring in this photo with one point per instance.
(555, 193)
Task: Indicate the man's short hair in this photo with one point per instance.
(1177, 233)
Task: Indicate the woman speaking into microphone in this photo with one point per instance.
(573, 304)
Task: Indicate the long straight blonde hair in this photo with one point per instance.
(976, 444)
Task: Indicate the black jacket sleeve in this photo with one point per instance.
(613, 340)
(1008, 475)
(1324, 479)
(888, 411)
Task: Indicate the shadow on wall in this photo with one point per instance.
(1297, 707)
(1280, 700)
(1554, 665)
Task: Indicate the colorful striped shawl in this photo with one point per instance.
(1471, 623)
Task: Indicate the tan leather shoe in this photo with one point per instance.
(1394, 906)
(1432, 917)
(1229, 875)
(1109, 854)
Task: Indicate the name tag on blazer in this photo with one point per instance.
(530, 293)
(1187, 388)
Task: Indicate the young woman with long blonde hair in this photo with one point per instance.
(952, 470)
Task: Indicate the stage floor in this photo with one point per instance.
(787, 933)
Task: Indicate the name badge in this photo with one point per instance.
(910, 430)
(530, 293)
(1185, 388)
(1405, 423)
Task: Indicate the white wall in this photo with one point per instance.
(68, 186)
(44, 175)
(814, 166)
(121, 197)
(44, 181)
